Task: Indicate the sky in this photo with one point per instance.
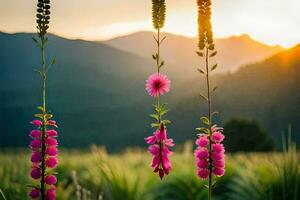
(269, 21)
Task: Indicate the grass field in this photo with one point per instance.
(127, 176)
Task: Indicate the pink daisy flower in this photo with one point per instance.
(157, 84)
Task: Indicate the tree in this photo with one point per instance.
(246, 135)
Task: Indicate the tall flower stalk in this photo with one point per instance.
(157, 85)
(43, 143)
(210, 153)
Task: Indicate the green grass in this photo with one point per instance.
(127, 176)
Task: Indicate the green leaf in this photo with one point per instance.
(205, 120)
(166, 122)
(154, 57)
(48, 116)
(215, 88)
(40, 108)
(213, 54)
(154, 116)
(32, 186)
(214, 67)
(199, 53)
(203, 130)
(201, 71)
(39, 115)
(161, 64)
(214, 113)
(53, 61)
(204, 97)
(154, 125)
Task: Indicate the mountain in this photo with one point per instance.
(178, 51)
(266, 91)
(92, 89)
(97, 95)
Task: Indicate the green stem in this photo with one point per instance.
(209, 126)
(44, 128)
(158, 69)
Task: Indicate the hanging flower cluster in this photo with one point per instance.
(159, 148)
(214, 159)
(44, 157)
(157, 85)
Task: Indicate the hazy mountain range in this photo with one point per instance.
(179, 51)
(96, 91)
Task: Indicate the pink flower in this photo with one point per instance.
(35, 173)
(36, 157)
(36, 123)
(217, 155)
(50, 179)
(218, 148)
(51, 194)
(202, 141)
(51, 141)
(217, 137)
(157, 84)
(51, 151)
(51, 162)
(52, 123)
(35, 133)
(203, 173)
(34, 193)
(160, 152)
(219, 163)
(202, 163)
(201, 153)
(35, 144)
(218, 171)
(51, 133)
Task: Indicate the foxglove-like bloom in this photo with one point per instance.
(43, 139)
(214, 159)
(157, 84)
(34, 193)
(159, 148)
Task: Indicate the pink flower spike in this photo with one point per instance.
(51, 133)
(35, 173)
(217, 137)
(202, 141)
(34, 193)
(36, 123)
(51, 141)
(35, 133)
(51, 162)
(52, 123)
(36, 157)
(36, 144)
(157, 84)
(51, 194)
(51, 151)
(50, 179)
